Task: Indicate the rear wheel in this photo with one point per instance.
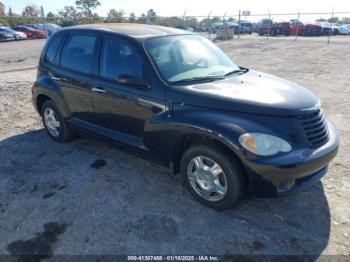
(54, 123)
(213, 177)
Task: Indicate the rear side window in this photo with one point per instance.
(119, 57)
(78, 53)
(52, 49)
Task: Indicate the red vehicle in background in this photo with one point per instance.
(312, 30)
(296, 27)
(268, 27)
(31, 32)
(281, 28)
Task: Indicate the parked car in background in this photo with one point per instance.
(31, 32)
(212, 28)
(335, 29)
(245, 27)
(16, 34)
(176, 98)
(231, 25)
(268, 27)
(344, 29)
(198, 29)
(296, 27)
(312, 30)
(281, 28)
(184, 27)
(5, 35)
(49, 28)
(328, 29)
(265, 27)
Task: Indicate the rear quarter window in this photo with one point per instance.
(78, 53)
(52, 49)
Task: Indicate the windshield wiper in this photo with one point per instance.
(199, 78)
(240, 70)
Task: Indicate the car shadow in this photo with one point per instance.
(97, 189)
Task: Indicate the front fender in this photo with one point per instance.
(225, 127)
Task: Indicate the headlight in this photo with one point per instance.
(263, 144)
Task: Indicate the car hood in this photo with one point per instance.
(19, 33)
(252, 92)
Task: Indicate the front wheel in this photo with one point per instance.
(54, 123)
(212, 176)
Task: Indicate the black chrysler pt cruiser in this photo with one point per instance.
(174, 97)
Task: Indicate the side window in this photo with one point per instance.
(78, 53)
(119, 57)
(52, 49)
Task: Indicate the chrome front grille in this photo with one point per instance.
(315, 127)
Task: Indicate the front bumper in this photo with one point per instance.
(292, 172)
(21, 37)
(3, 39)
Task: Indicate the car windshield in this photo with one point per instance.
(9, 30)
(188, 57)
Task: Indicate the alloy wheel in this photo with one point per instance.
(207, 178)
(52, 122)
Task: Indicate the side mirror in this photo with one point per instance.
(133, 80)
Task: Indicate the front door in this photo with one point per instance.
(125, 112)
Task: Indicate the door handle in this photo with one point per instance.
(98, 90)
(55, 78)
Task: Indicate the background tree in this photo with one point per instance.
(152, 16)
(345, 20)
(143, 19)
(67, 12)
(132, 18)
(333, 20)
(115, 15)
(170, 21)
(31, 11)
(191, 21)
(2, 9)
(3, 19)
(13, 19)
(50, 15)
(87, 5)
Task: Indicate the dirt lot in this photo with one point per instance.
(57, 198)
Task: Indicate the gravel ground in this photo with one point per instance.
(86, 197)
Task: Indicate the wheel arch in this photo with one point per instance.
(40, 100)
(189, 139)
(45, 89)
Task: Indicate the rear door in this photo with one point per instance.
(74, 75)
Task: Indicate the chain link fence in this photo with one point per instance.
(214, 26)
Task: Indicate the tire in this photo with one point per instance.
(232, 178)
(64, 134)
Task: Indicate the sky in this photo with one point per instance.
(196, 7)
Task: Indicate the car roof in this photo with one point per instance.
(139, 32)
